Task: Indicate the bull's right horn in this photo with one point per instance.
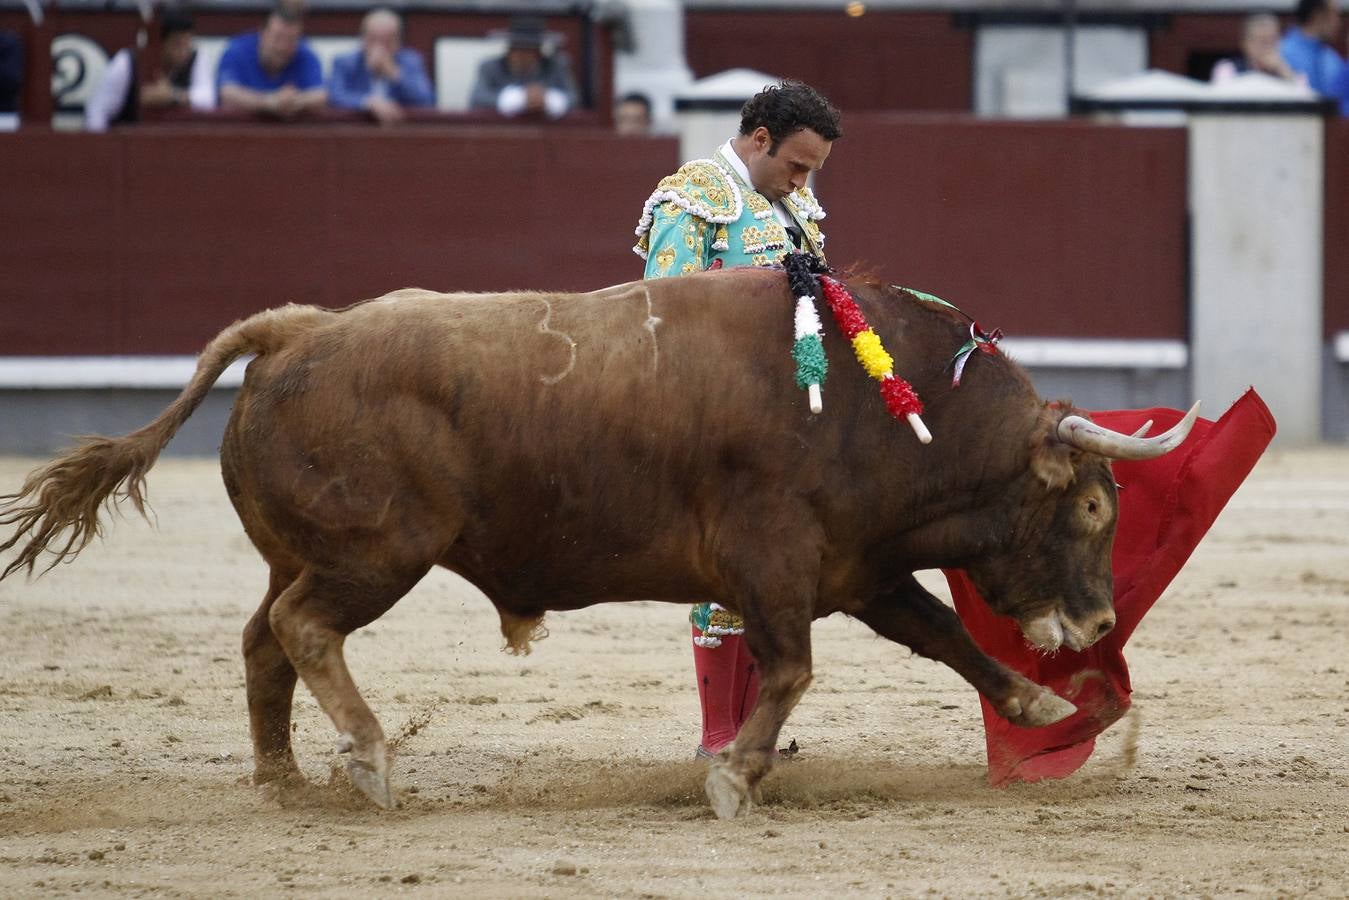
(1087, 435)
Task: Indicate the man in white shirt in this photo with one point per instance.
(181, 78)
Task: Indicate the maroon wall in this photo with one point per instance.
(1336, 259)
(1043, 229)
(151, 240)
(882, 60)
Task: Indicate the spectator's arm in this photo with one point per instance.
(201, 86)
(562, 94)
(486, 87)
(556, 103)
(314, 98)
(237, 97)
(342, 90)
(313, 93)
(511, 101)
(11, 66)
(414, 86)
(108, 98)
(1332, 67)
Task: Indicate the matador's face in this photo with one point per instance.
(776, 170)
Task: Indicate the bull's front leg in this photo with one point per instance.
(777, 610)
(911, 616)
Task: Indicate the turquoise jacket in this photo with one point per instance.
(706, 212)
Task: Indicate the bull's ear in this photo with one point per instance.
(1052, 461)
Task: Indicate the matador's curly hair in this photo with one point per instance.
(789, 107)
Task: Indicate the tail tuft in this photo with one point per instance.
(58, 504)
(57, 508)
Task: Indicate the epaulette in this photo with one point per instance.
(702, 188)
(806, 204)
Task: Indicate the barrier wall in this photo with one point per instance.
(883, 60)
(150, 240)
(1049, 229)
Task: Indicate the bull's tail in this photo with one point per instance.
(58, 506)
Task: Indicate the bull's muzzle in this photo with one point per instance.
(1054, 630)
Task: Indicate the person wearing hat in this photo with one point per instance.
(532, 78)
(748, 205)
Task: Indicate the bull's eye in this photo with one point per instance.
(1093, 507)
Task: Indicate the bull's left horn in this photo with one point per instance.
(1087, 435)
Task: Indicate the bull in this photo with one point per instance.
(639, 442)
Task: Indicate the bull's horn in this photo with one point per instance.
(1087, 435)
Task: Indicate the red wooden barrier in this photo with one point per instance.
(882, 60)
(1044, 229)
(151, 240)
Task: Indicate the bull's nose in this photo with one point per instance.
(1101, 626)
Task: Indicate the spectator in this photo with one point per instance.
(180, 78)
(532, 78)
(1307, 45)
(1259, 52)
(272, 72)
(382, 76)
(11, 77)
(632, 115)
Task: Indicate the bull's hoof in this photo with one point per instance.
(1045, 708)
(728, 791)
(371, 783)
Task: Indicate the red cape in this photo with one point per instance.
(1166, 505)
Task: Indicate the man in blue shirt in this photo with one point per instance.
(272, 72)
(383, 76)
(1307, 45)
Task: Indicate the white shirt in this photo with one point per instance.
(511, 101)
(112, 93)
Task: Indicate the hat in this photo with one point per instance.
(527, 32)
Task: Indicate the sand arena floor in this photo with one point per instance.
(124, 769)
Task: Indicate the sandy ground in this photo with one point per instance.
(125, 759)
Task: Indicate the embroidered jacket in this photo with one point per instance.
(705, 212)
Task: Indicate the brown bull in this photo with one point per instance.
(644, 441)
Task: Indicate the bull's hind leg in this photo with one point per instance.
(312, 619)
(911, 616)
(270, 680)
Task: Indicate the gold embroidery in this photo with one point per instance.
(757, 205)
(689, 268)
(771, 236)
(665, 258)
